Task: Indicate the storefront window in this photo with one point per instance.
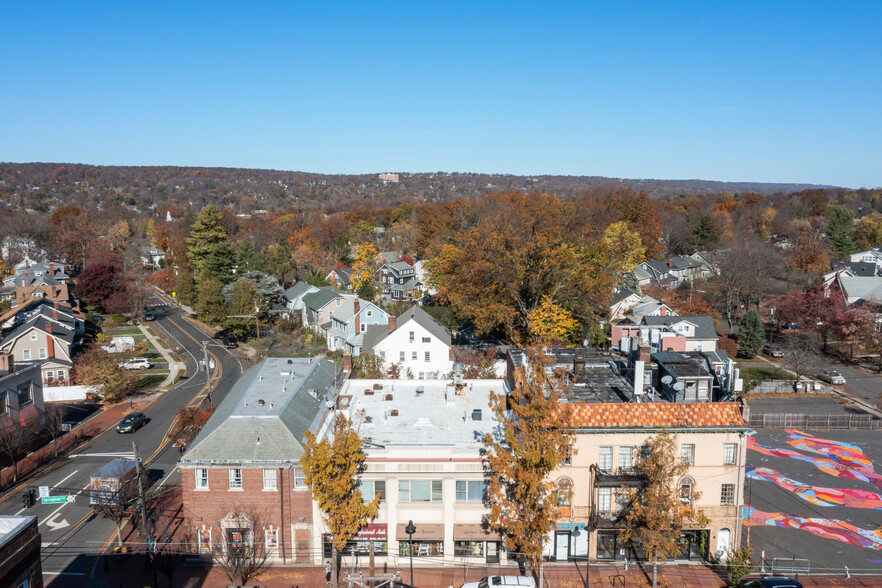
(468, 548)
(606, 544)
(421, 548)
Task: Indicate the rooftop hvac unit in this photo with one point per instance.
(476, 414)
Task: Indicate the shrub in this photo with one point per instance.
(118, 318)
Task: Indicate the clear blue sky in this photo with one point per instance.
(735, 91)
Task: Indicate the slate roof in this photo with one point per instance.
(704, 325)
(425, 320)
(39, 322)
(410, 284)
(373, 335)
(868, 289)
(294, 392)
(317, 300)
(400, 266)
(621, 294)
(861, 269)
(652, 415)
(297, 289)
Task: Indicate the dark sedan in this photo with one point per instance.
(131, 423)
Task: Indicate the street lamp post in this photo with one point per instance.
(410, 530)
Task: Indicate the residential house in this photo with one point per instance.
(21, 393)
(28, 273)
(293, 297)
(425, 460)
(398, 281)
(873, 256)
(43, 291)
(421, 271)
(634, 306)
(384, 257)
(318, 306)
(241, 478)
(153, 257)
(350, 321)
(415, 343)
(666, 333)
(44, 334)
(669, 272)
(340, 278)
(610, 437)
(710, 261)
(696, 376)
(20, 544)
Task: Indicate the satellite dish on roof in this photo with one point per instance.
(679, 386)
(667, 379)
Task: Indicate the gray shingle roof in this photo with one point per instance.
(868, 289)
(298, 289)
(317, 300)
(704, 325)
(425, 320)
(263, 418)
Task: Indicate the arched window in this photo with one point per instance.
(686, 485)
(564, 492)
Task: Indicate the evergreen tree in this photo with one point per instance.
(751, 335)
(221, 263)
(245, 256)
(705, 232)
(839, 230)
(185, 287)
(205, 233)
(210, 302)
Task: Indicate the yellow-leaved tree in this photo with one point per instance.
(532, 442)
(551, 322)
(363, 278)
(332, 468)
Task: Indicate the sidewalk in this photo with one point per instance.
(173, 366)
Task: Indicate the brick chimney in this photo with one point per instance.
(55, 315)
(356, 308)
(393, 323)
(643, 353)
(670, 263)
(50, 347)
(7, 366)
(347, 361)
(52, 270)
(48, 327)
(663, 311)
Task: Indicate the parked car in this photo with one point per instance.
(790, 326)
(230, 343)
(491, 581)
(137, 363)
(148, 316)
(131, 422)
(832, 377)
(770, 582)
(773, 351)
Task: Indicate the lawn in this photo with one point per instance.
(754, 375)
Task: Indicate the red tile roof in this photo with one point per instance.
(652, 414)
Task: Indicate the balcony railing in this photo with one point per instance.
(618, 476)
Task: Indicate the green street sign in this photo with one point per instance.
(57, 499)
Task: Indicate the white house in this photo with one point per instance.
(350, 321)
(873, 255)
(416, 343)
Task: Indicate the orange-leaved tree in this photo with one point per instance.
(662, 507)
(532, 442)
(332, 468)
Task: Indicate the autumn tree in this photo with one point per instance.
(739, 563)
(103, 285)
(205, 234)
(551, 322)
(851, 326)
(751, 335)
(247, 560)
(868, 232)
(332, 468)
(363, 278)
(531, 443)
(367, 366)
(55, 415)
(188, 422)
(658, 511)
(14, 437)
(817, 309)
(100, 369)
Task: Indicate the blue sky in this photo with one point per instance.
(733, 91)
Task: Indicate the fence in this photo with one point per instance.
(817, 422)
(788, 386)
(791, 566)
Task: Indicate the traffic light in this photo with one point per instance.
(27, 499)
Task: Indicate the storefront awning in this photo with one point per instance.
(424, 532)
(473, 532)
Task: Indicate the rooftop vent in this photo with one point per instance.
(290, 361)
(378, 386)
(393, 412)
(261, 402)
(388, 397)
(420, 390)
(476, 414)
(368, 392)
(368, 419)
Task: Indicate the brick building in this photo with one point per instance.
(241, 480)
(20, 552)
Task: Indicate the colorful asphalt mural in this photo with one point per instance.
(842, 460)
(827, 528)
(816, 494)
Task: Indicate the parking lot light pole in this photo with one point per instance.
(410, 530)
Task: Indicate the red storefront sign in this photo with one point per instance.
(373, 532)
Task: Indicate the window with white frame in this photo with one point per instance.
(427, 340)
(202, 478)
(568, 456)
(269, 479)
(729, 451)
(687, 453)
(299, 478)
(604, 459)
(33, 336)
(428, 356)
(420, 491)
(471, 491)
(369, 313)
(60, 374)
(413, 356)
(26, 354)
(626, 457)
(401, 356)
(686, 485)
(604, 499)
(564, 492)
(235, 478)
(50, 375)
(411, 336)
(362, 327)
(727, 495)
(371, 489)
(42, 353)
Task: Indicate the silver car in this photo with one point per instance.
(832, 377)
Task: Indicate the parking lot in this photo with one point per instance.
(816, 497)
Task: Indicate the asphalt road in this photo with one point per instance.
(71, 535)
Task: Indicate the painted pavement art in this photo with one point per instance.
(827, 528)
(817, 494)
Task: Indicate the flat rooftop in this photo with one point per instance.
(422, 412)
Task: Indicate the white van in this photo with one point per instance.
(491, 581)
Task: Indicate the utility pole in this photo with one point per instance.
(144, 521)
